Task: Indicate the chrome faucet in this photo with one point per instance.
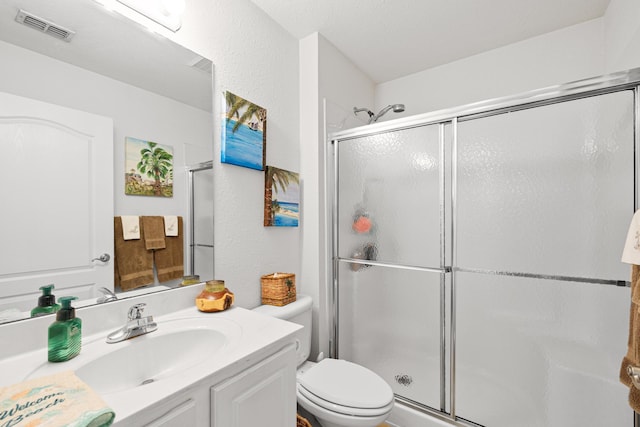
(107, 296)
(136, 325)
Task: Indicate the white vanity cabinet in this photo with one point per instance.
(263, 395)
(184, 414)
(258, 391)
(235, 368)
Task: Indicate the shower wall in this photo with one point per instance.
(483, 283)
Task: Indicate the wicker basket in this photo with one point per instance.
(302, 422)
(278, 288)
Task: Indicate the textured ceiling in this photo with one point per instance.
(388, 39)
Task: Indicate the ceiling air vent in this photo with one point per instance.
(44, 26)
(202, 64)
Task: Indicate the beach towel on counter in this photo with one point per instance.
(59, 400)
(133, 263)
(170, 261)
(153, 228)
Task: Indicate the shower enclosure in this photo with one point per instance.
(200, 233)
(476, 255)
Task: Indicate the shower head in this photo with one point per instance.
(397, 108)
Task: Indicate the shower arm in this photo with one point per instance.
(357, 110)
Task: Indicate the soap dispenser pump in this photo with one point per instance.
(65, 334)
(46, 302)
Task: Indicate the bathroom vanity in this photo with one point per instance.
(232, 368)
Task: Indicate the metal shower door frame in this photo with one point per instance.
(191, 170)
(616, 82)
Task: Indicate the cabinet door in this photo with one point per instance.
(263, 395)
(180, 416)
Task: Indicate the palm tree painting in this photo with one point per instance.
(148, 168)
(281, 197)
(244, 133)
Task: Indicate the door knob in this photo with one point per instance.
(102, 258)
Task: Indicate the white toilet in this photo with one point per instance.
(338, 393)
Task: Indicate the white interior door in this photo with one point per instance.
(56, 170)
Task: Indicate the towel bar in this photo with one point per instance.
(620, 283)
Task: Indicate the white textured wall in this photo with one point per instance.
(256, 59)
(328, 81)
(561, 56)
(310, 129)
(622, 35)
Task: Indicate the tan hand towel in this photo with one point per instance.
(153, 227)
(632, 357)
(170, 261)
(133, 266)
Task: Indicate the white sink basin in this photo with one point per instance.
(150, 358)
(177, 345)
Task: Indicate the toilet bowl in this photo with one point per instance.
(340, 393)
(337, 392)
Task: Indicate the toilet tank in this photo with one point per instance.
(298, 312)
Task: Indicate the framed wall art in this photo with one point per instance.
(281, 197)
(244, 133)
(148, 168)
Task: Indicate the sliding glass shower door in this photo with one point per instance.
(391, 268)
(543, 201)
(477, 257)
(200, 183)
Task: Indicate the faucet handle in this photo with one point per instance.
(135, 312)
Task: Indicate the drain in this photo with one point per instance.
(404, 380)
(149, 381)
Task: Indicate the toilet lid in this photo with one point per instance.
(347, 384)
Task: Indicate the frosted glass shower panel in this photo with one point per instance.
(544, 353)
(390, 323)
(388, 197)
(547, 190)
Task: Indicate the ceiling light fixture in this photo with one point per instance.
(167, 13)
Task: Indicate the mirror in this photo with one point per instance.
(109, 68)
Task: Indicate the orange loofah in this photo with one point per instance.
(362, 225)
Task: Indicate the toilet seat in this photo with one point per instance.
(305, 395)
(346, 388)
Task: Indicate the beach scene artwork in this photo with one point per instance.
(244, 133)
(148, 168)
(281, 197)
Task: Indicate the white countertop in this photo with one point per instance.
(260, 336)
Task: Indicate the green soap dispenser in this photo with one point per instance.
(65, 334)
(46, 302)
